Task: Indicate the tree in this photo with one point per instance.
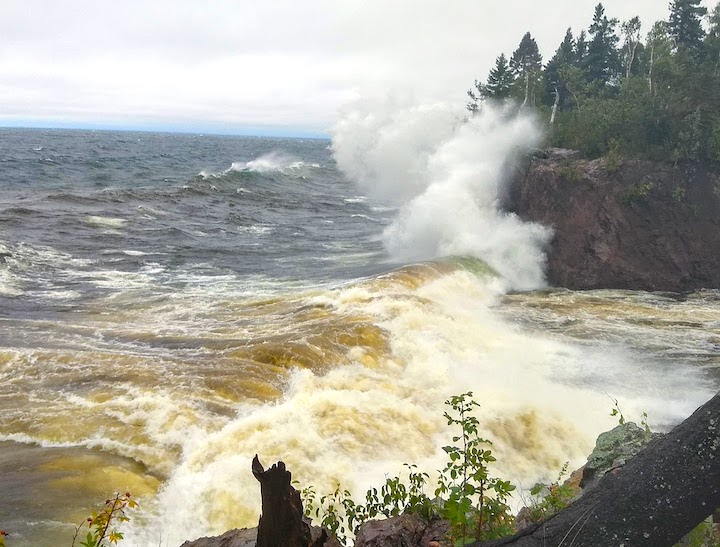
(602, 59)
(500, 80)
(712, 40)
(526, 63)
(685, 24)
(658, 50)
(581, 47)
(476, 94)
(631, 32)
(554, 83)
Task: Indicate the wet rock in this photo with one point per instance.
(612, 449)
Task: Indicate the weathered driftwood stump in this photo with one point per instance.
(652, 501)
(281, 523)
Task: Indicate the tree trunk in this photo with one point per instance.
(554, 107)
(281, 523)
(650, 69)
(653, 500)
(631, 58)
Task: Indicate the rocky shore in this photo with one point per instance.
(621, 223)
(612, 450)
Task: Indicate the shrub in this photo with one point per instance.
(472, 499)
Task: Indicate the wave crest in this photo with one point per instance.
(448, 174)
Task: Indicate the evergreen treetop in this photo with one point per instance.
(602, 62)
(685, 23)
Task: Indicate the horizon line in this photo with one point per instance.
(240, 131)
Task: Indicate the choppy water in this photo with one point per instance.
(171, 305)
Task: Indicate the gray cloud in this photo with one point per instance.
(276, 62)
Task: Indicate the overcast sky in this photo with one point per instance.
(260, 66)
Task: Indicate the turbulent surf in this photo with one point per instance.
(171, 305)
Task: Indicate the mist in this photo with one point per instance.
(446, 173)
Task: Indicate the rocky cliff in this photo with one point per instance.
(625, 224)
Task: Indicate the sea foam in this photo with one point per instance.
(447, 173)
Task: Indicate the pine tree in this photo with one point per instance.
(712, 40)
(602, 61)
(684, 23)
(581, 47)
(526, 58)
(500, 80)
(526, 63)
(553, 80)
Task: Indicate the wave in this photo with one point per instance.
(447, 175)
(105, 222)
(361, 373)
(274, 162)
(344, 383)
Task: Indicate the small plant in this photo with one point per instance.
(616, 411)
(341, 515)
(569, 171)
(679, 193)
(99, 524)
(557, 496)
(621, 420)
(476, 503)
(703, 535)
(635, 193)
(644, 424)
(613, 159)
(472, 500)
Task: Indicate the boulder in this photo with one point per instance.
(612, 449)
(402, 531)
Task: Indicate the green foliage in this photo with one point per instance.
(657, 98)
(633, 194)
(602, 61)
(613, 158)
(703, 535)
(101, 532)
(548, 499)
(569, 171)
(341, 515)
(685, 23)
(476, 502)
(616, 411)
(467, 494)
(679, 193)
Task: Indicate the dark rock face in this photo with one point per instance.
(632, 225)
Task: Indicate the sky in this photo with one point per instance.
(266, 67)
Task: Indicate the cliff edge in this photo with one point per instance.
(623, 223)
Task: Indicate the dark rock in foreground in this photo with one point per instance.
(631, 224)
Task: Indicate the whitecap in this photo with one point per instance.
(105, 222)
